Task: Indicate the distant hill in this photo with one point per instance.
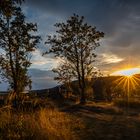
(99, 85)
(40, 79)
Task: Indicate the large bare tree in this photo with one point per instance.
(75, 41)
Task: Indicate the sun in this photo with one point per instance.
(128, 80)
(127, 72)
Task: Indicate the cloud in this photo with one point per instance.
(44, 62)
(109, 59)
(106, 14)
(42, 79)
(119, 19)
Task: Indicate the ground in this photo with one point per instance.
(104, 121)
(92, 121)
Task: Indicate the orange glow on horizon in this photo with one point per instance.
(127, 72)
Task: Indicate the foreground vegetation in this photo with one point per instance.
(45, 124)
(71, 122)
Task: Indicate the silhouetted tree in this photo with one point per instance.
(16, 43)
(7, 6)
(64, 75)
(75, 41)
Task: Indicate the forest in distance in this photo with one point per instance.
(96, 67)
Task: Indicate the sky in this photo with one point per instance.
(118, 19)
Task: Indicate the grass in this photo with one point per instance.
(131, 103)
(45, 124)
(92, 121)
(104, 121)
(111, 127)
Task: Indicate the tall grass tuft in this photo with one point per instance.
(45, 124)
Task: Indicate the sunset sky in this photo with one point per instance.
(118, 19)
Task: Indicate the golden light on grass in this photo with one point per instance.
(45, 124)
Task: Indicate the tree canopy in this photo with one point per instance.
(16, 43)
(7, 6)
(75, 42)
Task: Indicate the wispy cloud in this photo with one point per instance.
(44, 62)
(109, 58)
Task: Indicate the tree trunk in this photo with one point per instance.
(83, 98)
(83, 85)
(11, 59)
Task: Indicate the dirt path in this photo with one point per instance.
(106, 122)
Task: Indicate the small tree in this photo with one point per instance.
(75, 41)
(16, 43)
(64, 75)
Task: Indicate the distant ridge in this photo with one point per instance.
(56, 88)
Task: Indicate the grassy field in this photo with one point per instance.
(104, 121)
(93, 121)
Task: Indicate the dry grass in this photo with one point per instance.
(131, 103)
(46, 124)
(99, 121)
(104, 121)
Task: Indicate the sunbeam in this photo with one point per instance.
(128, 84)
